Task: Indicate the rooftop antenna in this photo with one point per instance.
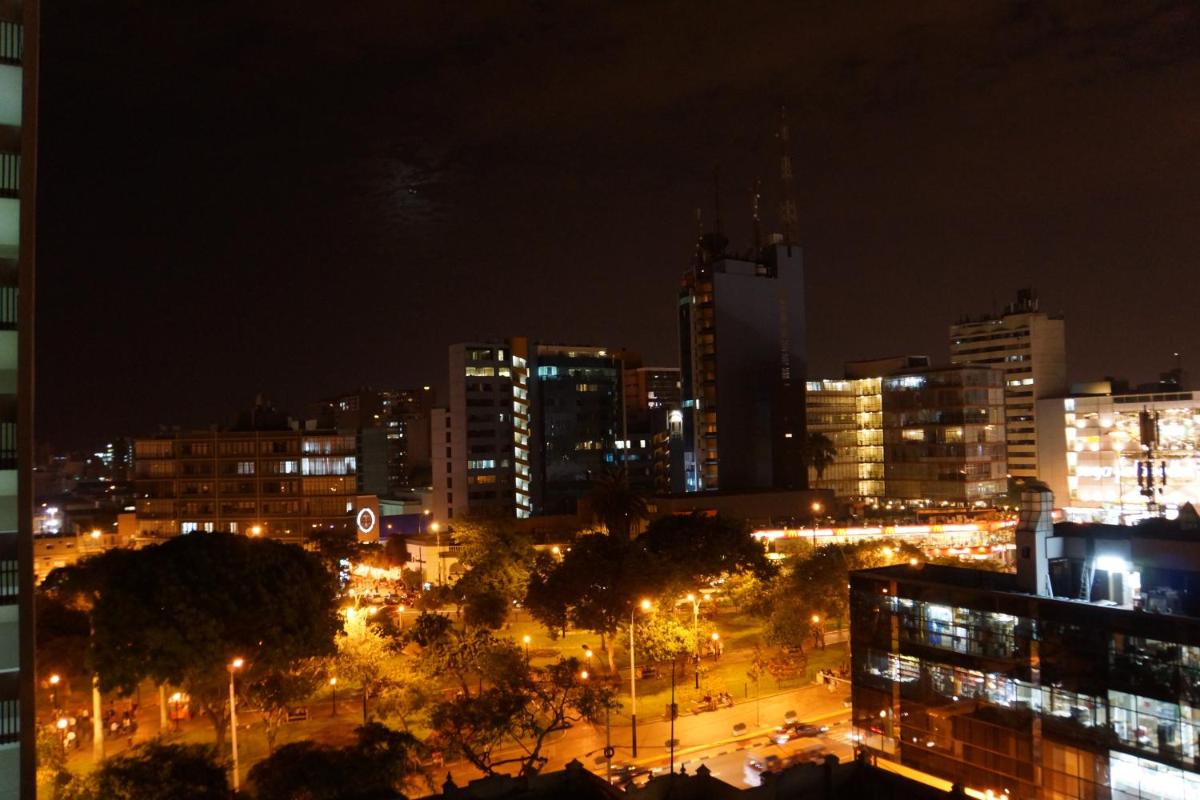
(787, 204)
(717, 199)
(755, 197)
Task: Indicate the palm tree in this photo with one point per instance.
(819, 453)
(617, 504)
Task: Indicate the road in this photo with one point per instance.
(717, 738)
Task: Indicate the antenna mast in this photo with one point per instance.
(787, 204)
(755, 197)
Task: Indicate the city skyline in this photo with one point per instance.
(298, 204)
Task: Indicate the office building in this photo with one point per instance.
(742, 356)
(1076, 677)
(18, 159)
(528, 428)
(654, 426)
(283, 483)
(912, 433)
(480, 441)
(1030, 347)
(576, 422)
(392, 432)
(1102, 453)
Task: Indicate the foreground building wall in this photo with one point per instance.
(1091, 690)
(18, 143)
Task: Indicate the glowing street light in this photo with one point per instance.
(333, 688)
(645, 606)
(584, 674)
(527, 639)
(234, 666)
(54, 681)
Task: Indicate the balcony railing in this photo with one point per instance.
(10, 42)
(10, 175)
(8, 445)
(10, 573)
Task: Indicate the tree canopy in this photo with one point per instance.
(375, 767)
(179, 612)
(154, 771)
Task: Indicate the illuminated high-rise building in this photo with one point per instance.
(1030, 346)
(18, 144)
(528, 429)
(742, 359)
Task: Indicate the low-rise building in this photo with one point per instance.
(281, 483)
(1076, 677)
(1107, 457)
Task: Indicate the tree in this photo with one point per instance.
(517, 705)
(595, 587)
(274, 693)
(375, 767)
(819, 453)
(497, 559)
(661, 637)
(179, 612)
(363, 655)
(684, 552)
(818, 585)
(616, 504)
(154, 771)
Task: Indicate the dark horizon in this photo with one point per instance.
(279, 199)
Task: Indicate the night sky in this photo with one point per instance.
(299, 198)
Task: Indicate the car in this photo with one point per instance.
(629, 775)
(797, 730)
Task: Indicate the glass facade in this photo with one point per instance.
(935, 436)
(958, 675)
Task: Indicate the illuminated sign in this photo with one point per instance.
(365, 520)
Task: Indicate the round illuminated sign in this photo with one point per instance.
(366, 520)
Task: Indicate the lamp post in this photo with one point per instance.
(333, 689)
(175, 700)
(695, 601)
(817, 508)
(62, 731)
(645, 604)
(55, 679)
(234, 666)
(437, 531)
(400, 616)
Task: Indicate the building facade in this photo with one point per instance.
(1076, 677)
(18, 159)
(393, 434)
(1095, 448)
(925, 435)
(743, 365)
(528, 428)
(654, 425)
(284, 484)
(1030, 347)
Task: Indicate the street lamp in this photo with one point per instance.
(234, 666)
(62, 731)
(54, 681)
(175, 700)
(437, 531)
(333, 688)
(526, 638)
(817, 508)
(645, 605)
(400, 616)
(695, 601)
(256, 530)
